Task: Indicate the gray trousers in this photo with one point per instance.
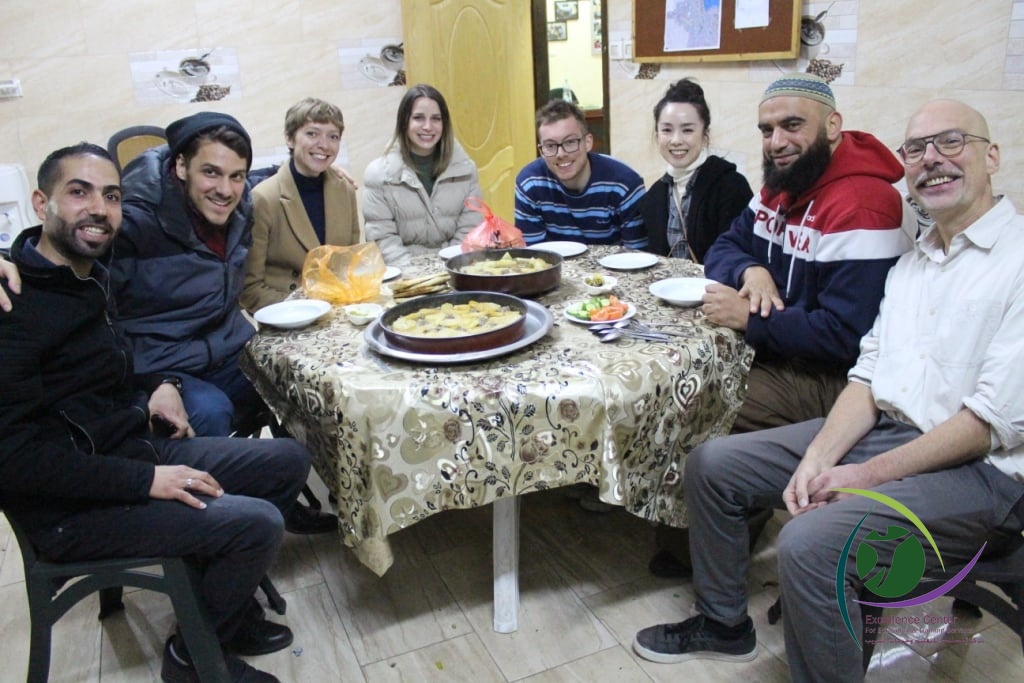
(725, 478)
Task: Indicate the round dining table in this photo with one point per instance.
(397, 438)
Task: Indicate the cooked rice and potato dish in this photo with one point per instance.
(456, 320)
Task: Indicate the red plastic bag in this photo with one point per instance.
(493, 233)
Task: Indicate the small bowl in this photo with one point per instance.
(361, 314)
(608, 283)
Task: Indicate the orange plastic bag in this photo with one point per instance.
(343, 275)
(493, 233)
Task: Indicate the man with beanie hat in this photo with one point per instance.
(801, 270)
(178, 271)
(803, 267)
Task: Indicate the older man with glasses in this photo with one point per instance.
(573, 193)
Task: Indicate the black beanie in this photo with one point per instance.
(183, 131)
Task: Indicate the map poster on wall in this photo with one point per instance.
(693, 25)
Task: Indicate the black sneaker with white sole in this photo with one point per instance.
(177, 667)
(696, 638)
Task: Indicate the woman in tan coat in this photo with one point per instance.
(303, 206)
(414, 197)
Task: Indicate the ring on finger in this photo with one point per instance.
(188, 483)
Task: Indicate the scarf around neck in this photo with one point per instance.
(681, 176)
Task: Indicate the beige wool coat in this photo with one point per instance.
(403, 220)
(282, 234)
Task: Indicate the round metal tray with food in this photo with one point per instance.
(457, 322)
(523, 272)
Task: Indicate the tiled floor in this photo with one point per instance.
(584, 587)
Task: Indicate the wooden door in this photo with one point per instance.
(478, 53)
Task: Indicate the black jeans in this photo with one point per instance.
(233, 541)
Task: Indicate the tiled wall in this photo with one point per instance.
(79, 65)
(74, 64)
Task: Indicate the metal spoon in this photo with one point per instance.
(635, 324)
(616, 333)
(601, 327)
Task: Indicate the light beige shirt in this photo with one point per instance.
(950, 331)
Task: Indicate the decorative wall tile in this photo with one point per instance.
(201, 75)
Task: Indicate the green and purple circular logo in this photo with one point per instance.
(905, 571)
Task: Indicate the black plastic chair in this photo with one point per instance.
(55, 587)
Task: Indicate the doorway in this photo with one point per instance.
(570, 59)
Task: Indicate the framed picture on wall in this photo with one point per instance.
(566, 9)
(557, 31)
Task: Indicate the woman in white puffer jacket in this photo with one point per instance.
(414, 199)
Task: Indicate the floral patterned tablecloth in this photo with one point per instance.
(397, 441)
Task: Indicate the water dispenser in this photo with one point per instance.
(15, 203)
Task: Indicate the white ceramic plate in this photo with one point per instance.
(680, 291)
(630, 312)
(391, 272)
(565, 249)
(291, 314)
(449, 252)
(629, 260)
(538, 322)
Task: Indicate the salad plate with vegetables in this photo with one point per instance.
(599, 309)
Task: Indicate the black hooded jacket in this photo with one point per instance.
(73, 427)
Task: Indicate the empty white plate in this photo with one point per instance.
(681, 291)
(448, 252)
(629, 260)
(564, 249)
(291, 314)
(391, 272)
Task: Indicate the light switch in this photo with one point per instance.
(10, 88)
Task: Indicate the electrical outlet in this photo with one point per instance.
(10, 88)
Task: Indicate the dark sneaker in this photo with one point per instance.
(177, 668)
(695, 639)
(259, 637)
(667, 565)
(306, 520)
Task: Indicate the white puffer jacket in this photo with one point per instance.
(403, 220)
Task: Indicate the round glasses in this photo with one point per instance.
(550, 149)
(948, 143)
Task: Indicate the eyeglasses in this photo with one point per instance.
(948, 143)
(550, 149)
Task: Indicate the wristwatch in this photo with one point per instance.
(175, 381)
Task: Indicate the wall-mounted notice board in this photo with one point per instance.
(780, 39)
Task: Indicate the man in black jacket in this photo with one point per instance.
(80, 467)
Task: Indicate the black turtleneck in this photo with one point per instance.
(312, 192)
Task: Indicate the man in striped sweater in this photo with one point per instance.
(572, 193)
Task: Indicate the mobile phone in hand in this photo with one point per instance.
(161, 427)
